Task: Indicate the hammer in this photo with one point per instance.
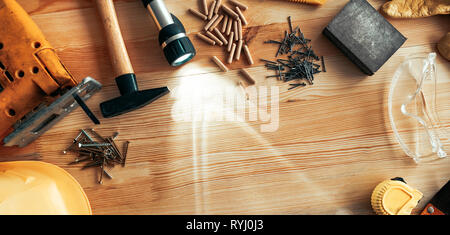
(131, 98)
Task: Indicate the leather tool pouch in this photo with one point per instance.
(30, 71)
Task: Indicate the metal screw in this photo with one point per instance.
(90, 150)
(78, 136)
(107, 174)
(80, 145)
(87, 135)
(430, 210)
(75, 141)
(114, 147)
(114, 136)
(108, 152)
(101, 154)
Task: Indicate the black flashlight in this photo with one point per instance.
(176, 45)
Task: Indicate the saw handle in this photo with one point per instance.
(116, 45)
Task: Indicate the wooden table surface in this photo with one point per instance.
(334, 143)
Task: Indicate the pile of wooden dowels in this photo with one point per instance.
(224, 27)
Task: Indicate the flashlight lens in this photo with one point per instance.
(183, 59)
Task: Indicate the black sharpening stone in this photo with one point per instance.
(364, 35)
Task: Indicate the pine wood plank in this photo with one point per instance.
(333, 146)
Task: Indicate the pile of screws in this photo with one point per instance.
(299, 64)
(100, 152)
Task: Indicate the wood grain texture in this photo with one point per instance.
(334, 143)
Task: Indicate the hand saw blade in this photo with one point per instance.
(38, 122)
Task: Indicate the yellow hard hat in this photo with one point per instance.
(34, 187)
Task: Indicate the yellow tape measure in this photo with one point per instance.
(394, 197)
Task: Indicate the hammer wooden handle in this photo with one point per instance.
(116, 46)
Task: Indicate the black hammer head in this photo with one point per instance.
(131, 98)
(131, 101)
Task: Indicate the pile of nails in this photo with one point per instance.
(98, 151)
(299, 65)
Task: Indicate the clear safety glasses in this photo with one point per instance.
(419, 107)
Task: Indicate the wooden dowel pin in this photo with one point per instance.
(213, 37)
(236, 31)
(248, 55)
(247, 80)
(214, 25)
(205, 7)
(221, 37)
(198, 14)
(229, 25)
(239, 24)
(239, 4)
(230, 12)
(211, 10)
(231, 55)
(239, 49)
(241, 16)
(206, 39)
(211, 22)
(225, 23)
(230, 41)
(218, 5)
(220, 64)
